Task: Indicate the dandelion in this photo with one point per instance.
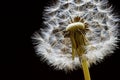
(78, 33)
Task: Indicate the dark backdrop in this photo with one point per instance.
(21, 20)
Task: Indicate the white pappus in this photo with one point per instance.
(56, 49)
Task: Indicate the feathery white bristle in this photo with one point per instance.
(102, 35)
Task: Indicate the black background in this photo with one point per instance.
(20, 20)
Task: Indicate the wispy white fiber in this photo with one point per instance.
(103, 34)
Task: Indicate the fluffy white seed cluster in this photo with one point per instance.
(55, 49)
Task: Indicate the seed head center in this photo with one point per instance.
(75, 26)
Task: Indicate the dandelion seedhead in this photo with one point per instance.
(77, 30)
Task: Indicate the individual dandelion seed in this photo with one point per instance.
(79, 33)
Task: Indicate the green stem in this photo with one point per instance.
(85, 68)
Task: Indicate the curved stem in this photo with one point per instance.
(85, 68)
(79, 41)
